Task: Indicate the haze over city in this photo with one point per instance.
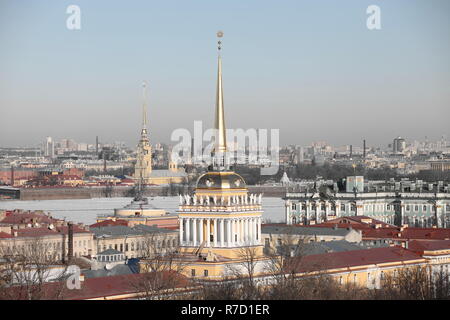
(310, 68)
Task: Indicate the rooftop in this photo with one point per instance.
(303, 230)
(354, 258)
(120, 230)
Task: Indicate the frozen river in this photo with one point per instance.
(86, 210)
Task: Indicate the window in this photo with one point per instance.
(267, 242)
(342, 207)
(205, 273)
(126, 246)
(340, 280)
(193, 272)
(294, 207)
(322, 207)
(424, 208)
(416, 208)
(407, 207)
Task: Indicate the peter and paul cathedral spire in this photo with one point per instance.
(143, 167)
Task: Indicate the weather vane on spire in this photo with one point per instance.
(219, 35)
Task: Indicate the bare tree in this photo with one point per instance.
(26, 267)
(408, 283)
(244, 270)
(161, 267)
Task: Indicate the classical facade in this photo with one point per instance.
(416, 208)
(221, 215)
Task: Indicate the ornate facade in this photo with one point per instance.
(417, 209)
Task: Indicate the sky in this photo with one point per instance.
(311, 69)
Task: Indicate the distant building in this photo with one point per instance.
(49, 148)
(414, 203)
(399, 145)
(134, 242)
(143, 168)
(443, 165)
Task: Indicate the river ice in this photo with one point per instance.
(86, 210)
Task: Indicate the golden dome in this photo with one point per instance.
(220, 180)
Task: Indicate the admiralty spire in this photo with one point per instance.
(220, 159)
(220, 222)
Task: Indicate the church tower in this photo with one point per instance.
(221, 218)
(143, 167)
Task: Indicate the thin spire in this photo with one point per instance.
(144, 108)
(221, 142)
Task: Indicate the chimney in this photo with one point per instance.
(364, 149)
(12, 176)
(70, 238)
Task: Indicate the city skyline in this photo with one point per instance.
(327, 76)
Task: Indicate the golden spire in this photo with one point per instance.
(220, 130)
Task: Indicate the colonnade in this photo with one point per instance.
(220, 232)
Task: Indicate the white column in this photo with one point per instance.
(246, 231)
(233, 232)
(208, 233)
(241, 239)
(194, 233)
(188, 231)
(216, 233)
(251, 231)
(200, 229)
(228, 233)
(181, 231)
(259, 230)
(222, 243)
(255, 228)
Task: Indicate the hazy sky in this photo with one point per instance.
(309, 68)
